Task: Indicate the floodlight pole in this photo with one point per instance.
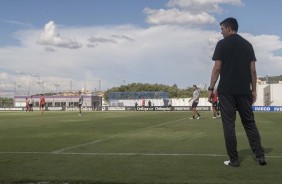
(57, 85)
(99, 85)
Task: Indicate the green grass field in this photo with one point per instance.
(131, 147)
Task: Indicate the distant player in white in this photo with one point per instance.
(80, 102)
(30, 104)
(195, 101)
(170, 104)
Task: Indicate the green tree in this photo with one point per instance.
(174, 91)
(6, 102)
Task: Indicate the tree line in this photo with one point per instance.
(6, 102)
(174, 91)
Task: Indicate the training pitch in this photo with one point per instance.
(132, 148)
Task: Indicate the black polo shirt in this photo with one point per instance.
(236, 55)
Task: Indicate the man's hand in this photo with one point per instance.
(210, 96)
(254, 95)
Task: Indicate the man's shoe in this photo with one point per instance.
(192, 118)
(261, 161)
(233, 164)
(214, 117)
(198, 117)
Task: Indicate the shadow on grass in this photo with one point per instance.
(243, 154)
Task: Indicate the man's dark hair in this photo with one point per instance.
(230, 22)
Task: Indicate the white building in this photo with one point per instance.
(63, 100)
(269, 94)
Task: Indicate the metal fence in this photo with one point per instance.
(138, 95)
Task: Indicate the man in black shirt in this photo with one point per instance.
(235, 63)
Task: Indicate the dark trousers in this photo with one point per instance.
(243, 104)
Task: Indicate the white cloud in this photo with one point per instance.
(23, 24)
(50, 49)
(101, 40)
(164, 54)
(113, 39)
(211, 6)
(90, 45)
(51, 37)
(176, 16)
(265, 46)
(123, 37)
(188, 12)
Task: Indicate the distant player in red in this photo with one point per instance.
(26, 105)
(143, 103)
(214, 101)
(42, 103)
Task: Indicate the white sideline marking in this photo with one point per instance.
(133, 154)
(105, 139)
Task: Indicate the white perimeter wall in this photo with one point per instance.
(161, 102)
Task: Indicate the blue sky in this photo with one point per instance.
(125, 41)
(18, 14)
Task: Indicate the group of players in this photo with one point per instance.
(29, 103)
(213, 100)
(195, 101)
